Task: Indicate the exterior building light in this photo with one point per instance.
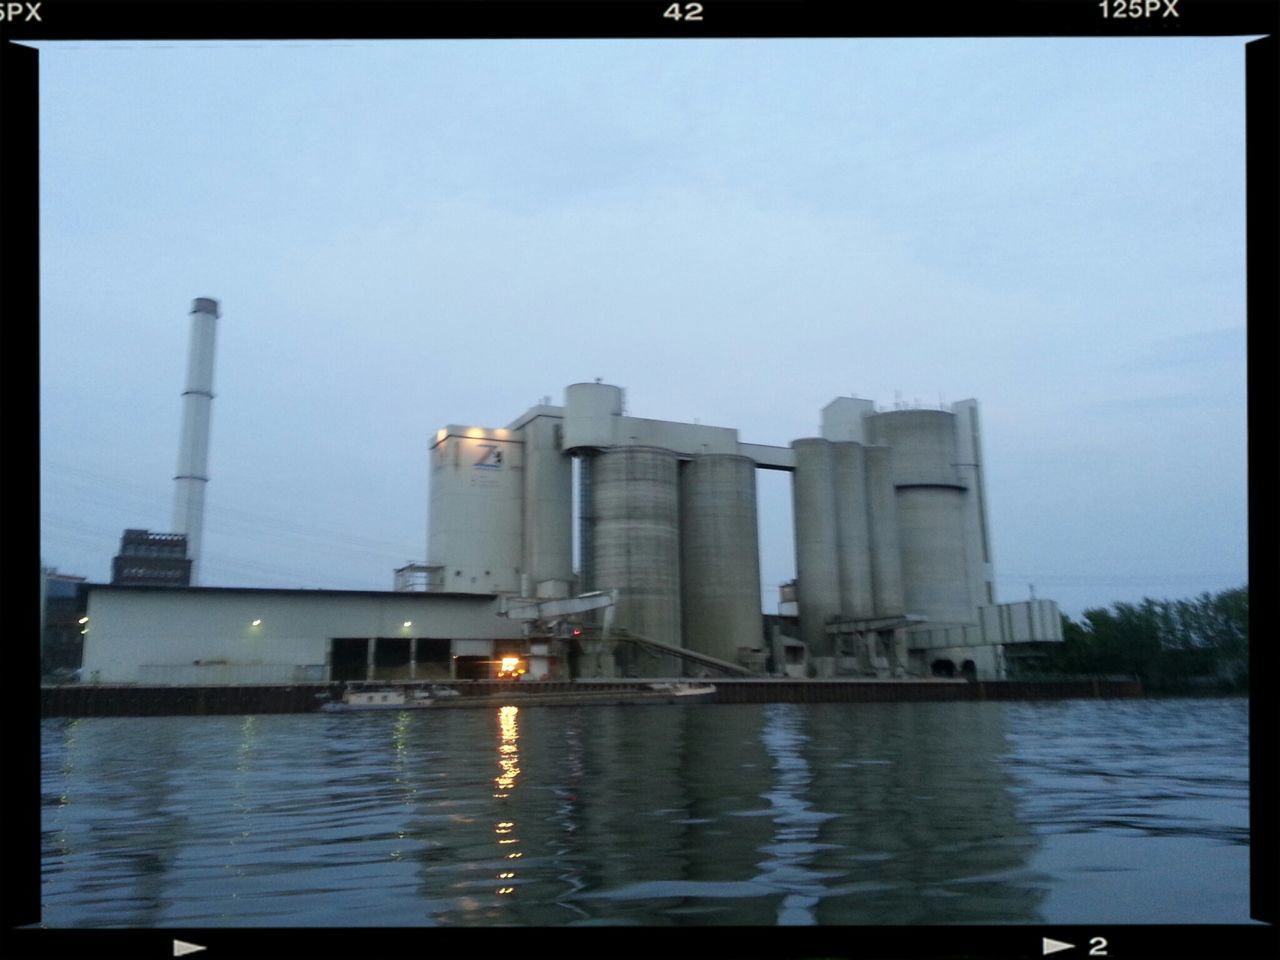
(510, 668)
(83, 620)
(408, 623)
(256, 623)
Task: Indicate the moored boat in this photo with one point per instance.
(390, 699)
(445, 698)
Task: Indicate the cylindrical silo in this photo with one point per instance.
(853, 534)
(934, 573)
(817, 558)
(923, 444)
(931, 516)
(882, 526)
(548, 509)
(193, 444)
(590, 410)
(635, 542)
(719, 555)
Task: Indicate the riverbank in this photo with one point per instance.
(116, 700)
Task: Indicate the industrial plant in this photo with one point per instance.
(582, 542)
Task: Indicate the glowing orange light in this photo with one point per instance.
(511, 667)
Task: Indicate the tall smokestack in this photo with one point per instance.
(193, 445)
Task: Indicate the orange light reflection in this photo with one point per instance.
(505, 781)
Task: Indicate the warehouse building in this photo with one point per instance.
(211, 635)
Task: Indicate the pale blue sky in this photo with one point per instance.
(409, 234)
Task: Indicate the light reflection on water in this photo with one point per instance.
(508, 760)
(834, 814)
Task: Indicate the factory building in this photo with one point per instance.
(151, 559)
(893, 554)
(587, 542)
(213, 635)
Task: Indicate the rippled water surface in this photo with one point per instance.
(851, 814)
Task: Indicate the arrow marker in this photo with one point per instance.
(181, 948)
(1053, 946)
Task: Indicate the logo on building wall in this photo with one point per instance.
(490, 457)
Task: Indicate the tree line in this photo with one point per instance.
(1168, 644)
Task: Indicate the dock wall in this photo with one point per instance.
(105, 700)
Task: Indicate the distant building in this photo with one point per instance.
(61, 630)
(149, 559)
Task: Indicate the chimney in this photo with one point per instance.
(193, 444)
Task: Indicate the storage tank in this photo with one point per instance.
(934, 572)
(882, 526)
(589, 412)
(548, 508)
(853, 533)
(635, 543)
(817, 558)
(719, 555)
(930, 500)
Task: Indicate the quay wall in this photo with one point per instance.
(111, 700)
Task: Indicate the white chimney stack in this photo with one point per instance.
(193, 445)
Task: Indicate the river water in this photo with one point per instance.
(1064, 812)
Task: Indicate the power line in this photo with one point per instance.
(232, 520)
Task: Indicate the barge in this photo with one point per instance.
(443, 698)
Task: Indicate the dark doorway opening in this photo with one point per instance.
(432, 659)
(475, 668)
(391, 659)
(969, 670)
(943, 668)
(348, 658)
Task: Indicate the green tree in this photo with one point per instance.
(1167, 644)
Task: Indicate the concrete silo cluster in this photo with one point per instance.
(894, 574)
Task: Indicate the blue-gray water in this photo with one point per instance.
(852, 814)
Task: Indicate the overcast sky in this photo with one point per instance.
(409, 234)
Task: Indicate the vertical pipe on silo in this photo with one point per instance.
(192, 473)
(586, 523)
(977, 529)
(635, 543)
(882, 526)
(853, 535)
(817, 560)
(719, 555)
